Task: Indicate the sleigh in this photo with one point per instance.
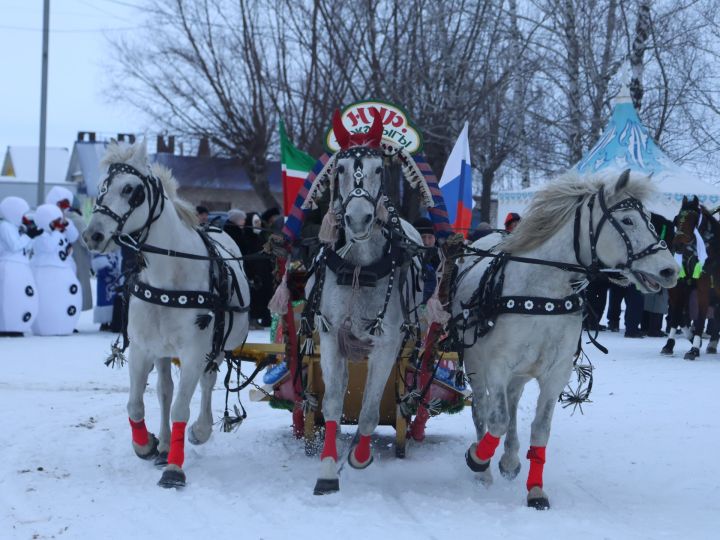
(447, 393)
(423, 381)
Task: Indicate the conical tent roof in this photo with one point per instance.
(626, 144)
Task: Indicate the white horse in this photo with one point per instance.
(539, 313)
(357, 299)
(180, 306)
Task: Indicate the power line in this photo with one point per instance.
(71, 31)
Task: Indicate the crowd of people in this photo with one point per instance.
(250, 230)
(45, 270)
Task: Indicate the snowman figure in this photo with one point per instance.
(18, 293)
(58, 287)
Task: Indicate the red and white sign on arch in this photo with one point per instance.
(397, 127)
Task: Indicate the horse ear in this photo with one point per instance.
(341, 133)
(684, 201)
(376, 130)
(622, 182)
(139, 158)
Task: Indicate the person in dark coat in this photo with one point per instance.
(430, 258)
(234, 225)
(259, 270)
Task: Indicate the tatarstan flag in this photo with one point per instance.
(296, 165)
(456, 184)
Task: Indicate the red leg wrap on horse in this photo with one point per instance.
(362, 450)
(176, 456)
(329, 447)
(139, 432)
(486, 447)
(536, 455)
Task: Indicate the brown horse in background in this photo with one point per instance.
(695, 216)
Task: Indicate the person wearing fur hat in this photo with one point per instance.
(235, 224)
(58, 289)
(430, 258)
(18, 292)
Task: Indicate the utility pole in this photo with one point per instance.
(43, 103)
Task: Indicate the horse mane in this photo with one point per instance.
(554, 205)
(124, 153)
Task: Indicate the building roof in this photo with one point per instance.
(84, 167)
(22, 163)
(215, 172)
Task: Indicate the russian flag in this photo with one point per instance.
(456, 184)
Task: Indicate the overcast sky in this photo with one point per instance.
(78, 48)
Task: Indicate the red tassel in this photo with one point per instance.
(536, 455)
(362, 450)
(139, 432)
(176, 456)
(486, 447)
(329, 446)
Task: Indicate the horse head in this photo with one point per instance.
(359, 182)
(685, 223)
(630, 245)
(129, 198)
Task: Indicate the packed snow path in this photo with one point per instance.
(640, 463)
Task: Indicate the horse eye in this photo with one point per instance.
(378, 170)
(341, 169)
(627, 221)
(127, 189)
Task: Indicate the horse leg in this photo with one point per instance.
(173, 475)
(703, 293)
(478, 400)
(510, 462)
(380, 363)
(479, 454)
(676, 303)
(713, 330)
(165, 393)
(201, 429)
(144, 443)
(335, 377)
(551, 384)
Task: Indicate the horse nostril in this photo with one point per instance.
(667, 272)
(347, 220)
(368, 219)
(97, 237)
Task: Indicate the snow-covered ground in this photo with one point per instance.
(642, 462)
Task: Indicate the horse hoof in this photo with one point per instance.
(172, 477)
(711, 350)
(537, 499)
(400, 451)
(355, 464)
(510, 474)
(150, 450)
(194, 439)
(472, 461)
(161, 459)
(692, 354)
(326, 486)
(668, 348)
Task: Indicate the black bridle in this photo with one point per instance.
(359, 177)
(150, 190)
(596, 264)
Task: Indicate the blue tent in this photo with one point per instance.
(626, 144)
